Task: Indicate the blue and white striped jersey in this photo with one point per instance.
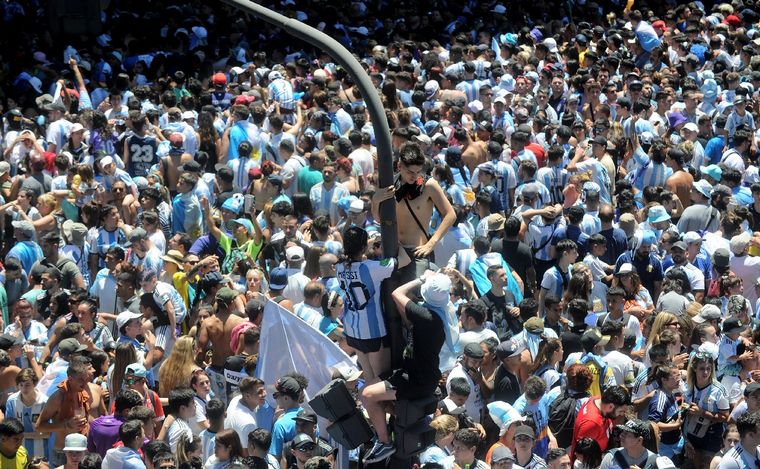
(648, 173)
(360, 282)
(15, 408)
(240, 168)
(555, 179)
(102, 240)
(281, 90)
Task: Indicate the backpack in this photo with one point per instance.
(651, 461)
(562, 418)
(600, 320)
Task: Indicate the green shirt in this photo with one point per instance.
(234, 254)
(307, 178)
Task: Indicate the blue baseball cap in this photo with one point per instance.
(713, 171)
(278, 279)
(244, 222)
(233, 204)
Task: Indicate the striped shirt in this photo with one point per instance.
(240, 167)
(15, 408)
(539, 412)
(309, 314)
(523, 155)
(327, 200)
(600, 176)
(543, 192)
(102, 240)
(713, 399)
(738, 458)
(540, 237)
(186, 214)
(591, 223)
(281, 90)
(360, 282)
(164, 293)
(470, 88)
(649, 173)
(555, 179)
(728, 348)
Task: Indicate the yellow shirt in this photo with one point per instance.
(17, 462)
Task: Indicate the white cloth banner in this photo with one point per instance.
(290, 344)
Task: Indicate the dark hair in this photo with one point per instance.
(747, 422)
(528, 308)
(354, 242)
(589, 448)
(179, 397)
(215, 409)
(477, 310)
(91, 461)
(468, 437)
(260, 438)
(534, 388)
(411, 154)
(154, 448)
(161, 457)
(127, 399)
(579, 378)
(11, 427)
(142, 413)
(556, 453)
(616, 395)
(130, 430)
(229, 438)
(460, 387)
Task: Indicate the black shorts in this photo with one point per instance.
(368, 345)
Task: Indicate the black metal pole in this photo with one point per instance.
(341, 55)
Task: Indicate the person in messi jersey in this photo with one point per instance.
(363, 316)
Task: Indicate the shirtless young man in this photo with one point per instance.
(217, 330)
(415, 199)
(681, 182)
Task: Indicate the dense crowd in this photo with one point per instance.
(577, 192)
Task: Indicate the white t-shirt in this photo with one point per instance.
(241, 419)
(363, 158)
(622, 366)
(176, 430)
(474, 403)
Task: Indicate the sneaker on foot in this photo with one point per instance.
(379, 452)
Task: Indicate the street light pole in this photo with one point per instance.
(341, 55)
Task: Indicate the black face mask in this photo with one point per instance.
(409, 191)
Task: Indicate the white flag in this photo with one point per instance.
(290, 344)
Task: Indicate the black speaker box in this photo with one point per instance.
(352, 431)
(413, 439)
(333, 402)
(410, 412)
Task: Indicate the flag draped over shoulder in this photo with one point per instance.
(290, 344)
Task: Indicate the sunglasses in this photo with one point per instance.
(131, 381)
(307, 447)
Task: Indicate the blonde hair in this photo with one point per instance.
(659, 324)
(177, 370)
(691, 371)
(444, 425)
(49, 200)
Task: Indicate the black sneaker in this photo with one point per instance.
(379, 452)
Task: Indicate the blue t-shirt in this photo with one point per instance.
(283, 431)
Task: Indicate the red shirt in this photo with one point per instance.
(592, 424)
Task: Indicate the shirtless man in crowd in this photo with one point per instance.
(217, 330)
